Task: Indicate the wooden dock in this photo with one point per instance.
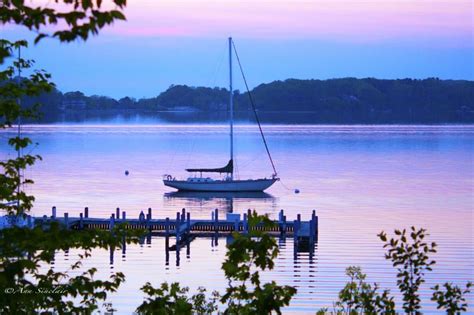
(183, 223)
(184, 229)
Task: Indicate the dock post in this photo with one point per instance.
(148, 219)
(295, 230)
(280, 220)
(117, 213)
(66, 220)
(167, 240)
(112, 222)
(295, 239)
(316, 226)
(178, 236)
(183, 215)
(188, 249)
(188, 222)
(246, 224)
(81, 221)
(124, 246)
(216, 219)
(111, 255)
(124, 216)
(177, 224)
(249, 213)
(284, 224)
(148, 237)
(53, 214)
(86, 212)
(298, 217)
(167, 232)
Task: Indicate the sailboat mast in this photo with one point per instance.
(19, 132)
(231, 107)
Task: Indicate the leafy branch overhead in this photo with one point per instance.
(81, 17)
(12, 90)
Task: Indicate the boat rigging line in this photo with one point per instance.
(19, 131)
(275, 174)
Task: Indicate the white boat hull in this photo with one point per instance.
(221, 185)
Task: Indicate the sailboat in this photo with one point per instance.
(228, 183)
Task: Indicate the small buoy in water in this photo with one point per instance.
(297, 191)
(126, 173)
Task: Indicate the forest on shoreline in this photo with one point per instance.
(334, 101)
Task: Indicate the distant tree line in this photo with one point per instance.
(346, 100)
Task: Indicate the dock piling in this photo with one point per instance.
(112, 222)
(81, 221)
(117, 213)
(86, 212)
(66, 220)
(53, 212)
(245, 227)
(149, 213)
(124, 216)
(249, 212)
(167, 240)
(316, 226)
(167, 231)
(188, 222)
(176, 226)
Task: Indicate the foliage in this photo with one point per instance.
(359, 297)
(246, 256)
(29, 285)
(80, 18)
(11, 91)
(452, 299)
(410, 255)
(172, 299)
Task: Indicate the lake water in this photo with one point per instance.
(360, 180)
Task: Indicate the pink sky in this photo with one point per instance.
(450, 21)
(324, 19)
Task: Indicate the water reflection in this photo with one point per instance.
(302, 251)
(224, 201)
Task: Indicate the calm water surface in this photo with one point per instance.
(360, 179)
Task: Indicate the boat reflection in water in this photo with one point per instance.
(224, 201)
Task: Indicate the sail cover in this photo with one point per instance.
(229, 168)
